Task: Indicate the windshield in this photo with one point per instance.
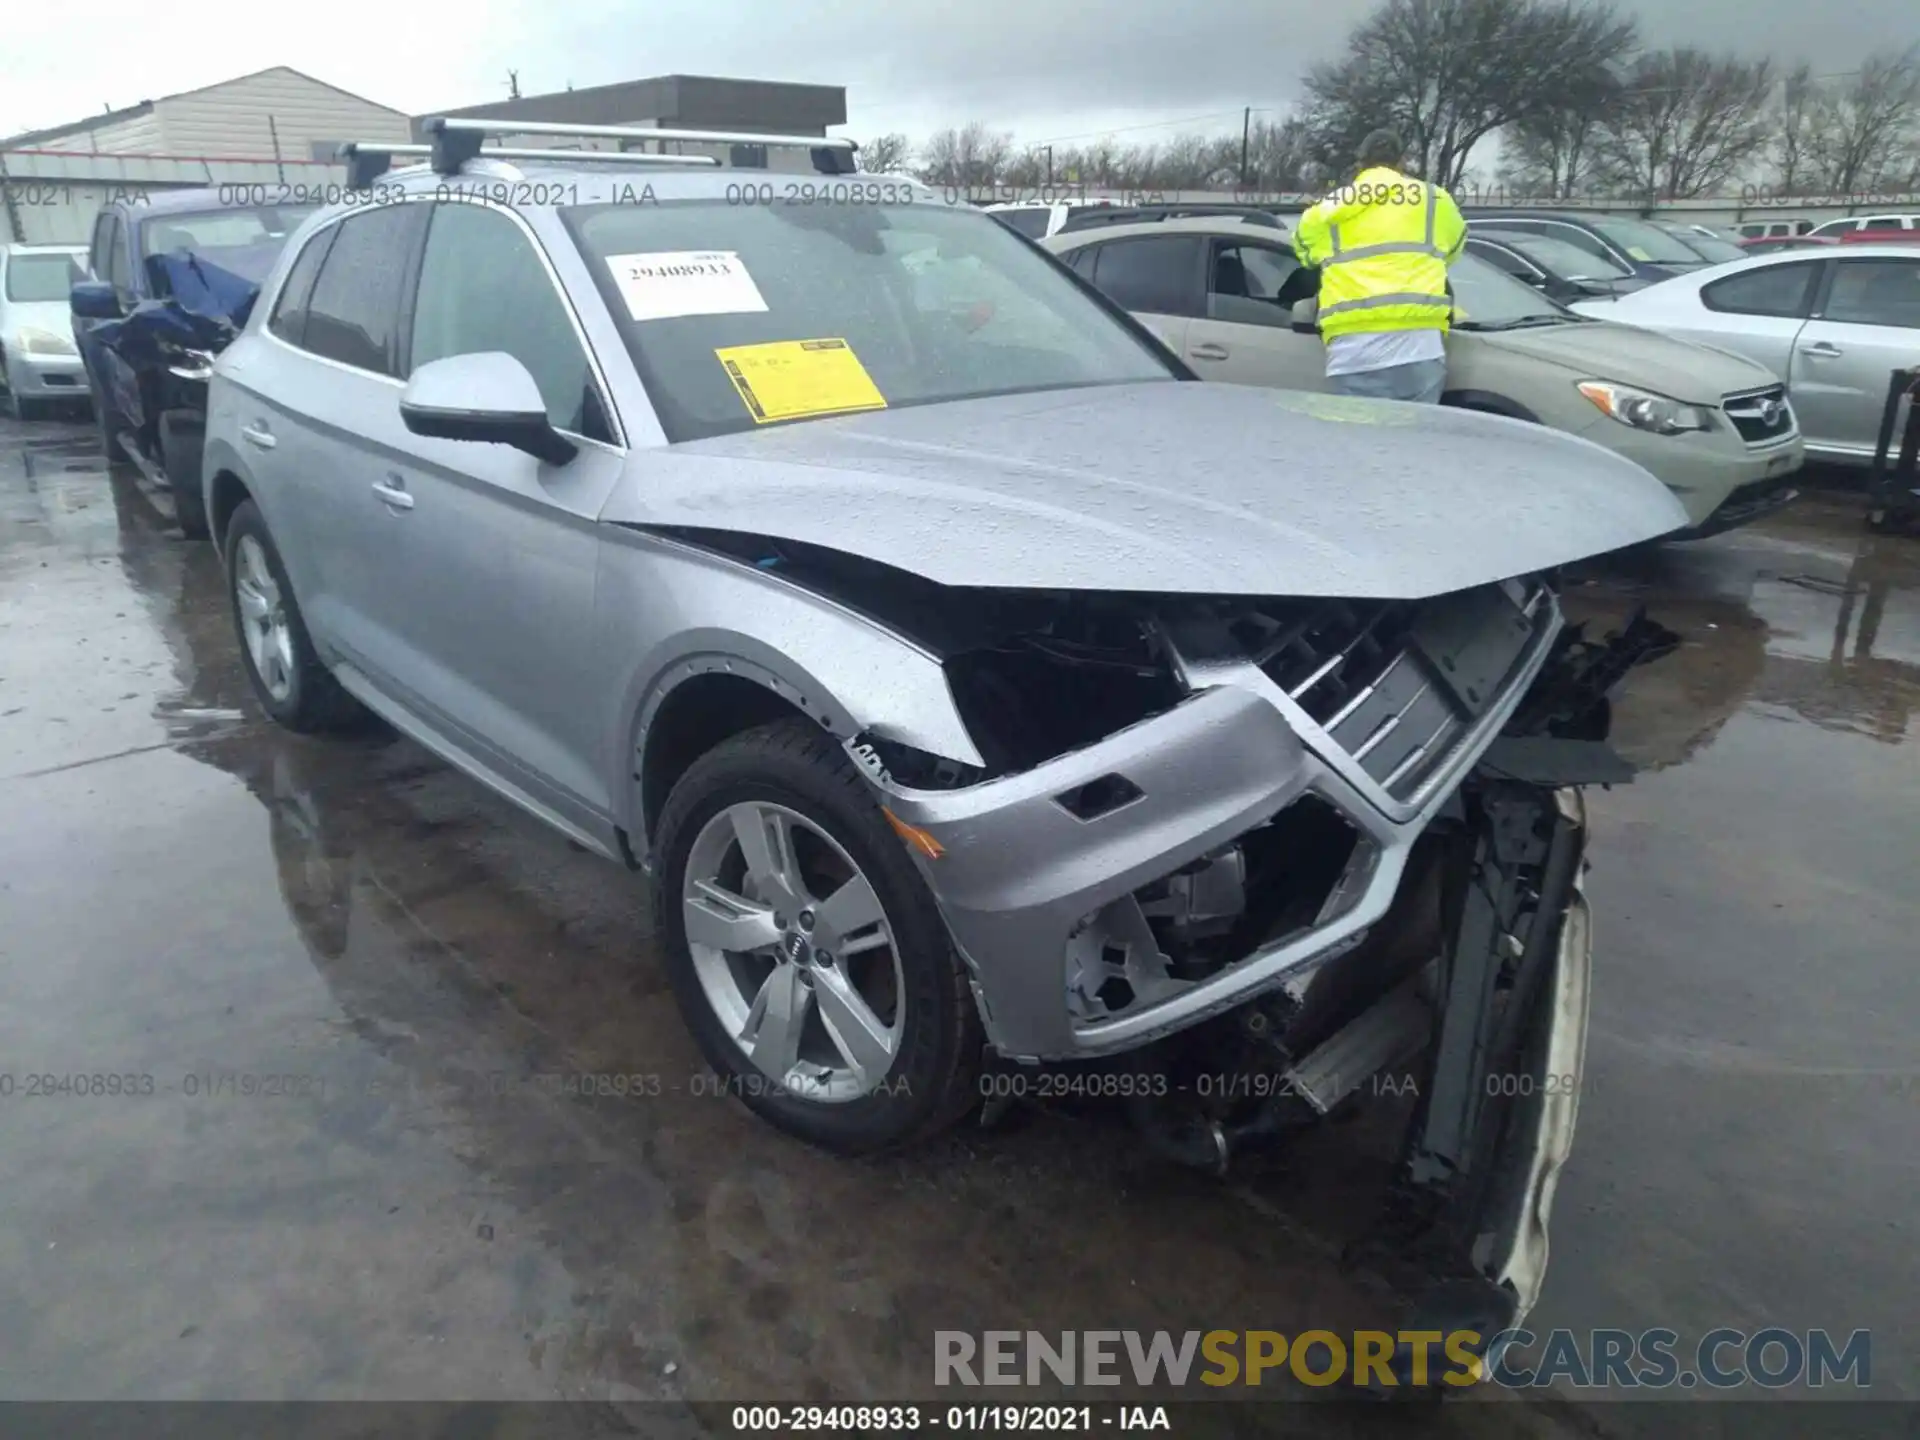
(236, 238)
(743, 315)
(1558, 257)
(1648, 244)
(43, 277)
(1487, 298)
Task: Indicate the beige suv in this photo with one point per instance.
(1232, 301)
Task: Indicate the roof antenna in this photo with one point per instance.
(513, 84)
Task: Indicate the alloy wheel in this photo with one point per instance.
(794, 952)
(263, 618)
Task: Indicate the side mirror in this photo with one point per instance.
(1306, 317)
(95, 300)
(488, 397)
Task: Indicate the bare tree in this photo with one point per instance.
(1867, 126)
(1797, 123)
(971, 157)
(885, 154)
(1279, 156)
(1449, 73)
(1687, 123)
(1555, 153)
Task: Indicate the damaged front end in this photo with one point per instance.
(1267, 852)
(159, 357)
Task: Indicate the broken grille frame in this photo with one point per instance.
(1464, 744)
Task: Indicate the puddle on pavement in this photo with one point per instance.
(1826, 634)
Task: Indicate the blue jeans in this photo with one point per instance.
(1421, 382)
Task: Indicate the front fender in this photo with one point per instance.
(847, 671)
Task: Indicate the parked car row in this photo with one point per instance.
(1833, 324)
(1232, 300)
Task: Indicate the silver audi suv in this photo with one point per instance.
(986, 698)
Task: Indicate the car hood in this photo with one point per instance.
(53, 315)
(1168, 486)
(1604, 350)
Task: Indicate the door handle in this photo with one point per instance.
(1209, 351)
(393, 493)
(1821, 350)
(259, 436)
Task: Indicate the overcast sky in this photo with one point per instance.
(1044, 69)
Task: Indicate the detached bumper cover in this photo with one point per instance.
(1539, 1135)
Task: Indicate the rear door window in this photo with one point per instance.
(1154, 274)
(289, 319)
(356, 300)
(1785, 291)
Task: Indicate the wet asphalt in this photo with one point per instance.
(354, 996)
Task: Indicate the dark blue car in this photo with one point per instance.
(1631, 246)
(172, 277)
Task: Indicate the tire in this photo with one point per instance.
(302, 695)
(181, 443)
(932, 1077)
(106, 422)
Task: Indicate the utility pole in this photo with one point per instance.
(1246, 130)
(1049, 166)
(513, 84)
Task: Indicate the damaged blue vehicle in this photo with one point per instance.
(171, 280)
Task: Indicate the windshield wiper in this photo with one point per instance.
(1525, 322)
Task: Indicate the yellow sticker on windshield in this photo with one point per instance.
(786, 379)
(1641, 255)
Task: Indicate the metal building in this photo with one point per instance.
(687, 102)
(279, 114)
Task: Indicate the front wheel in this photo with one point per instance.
(806, 953)
(107, 423)
(289, 680)
(182, 440)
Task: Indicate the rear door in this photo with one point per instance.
(1757, 313)
(1160, 278)
(333, 428)
(497, 550)
(1246, 335)
(1866, 326)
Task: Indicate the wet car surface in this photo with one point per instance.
(424, 1121)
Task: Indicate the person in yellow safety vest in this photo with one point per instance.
(1382, 243)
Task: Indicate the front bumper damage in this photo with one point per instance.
(1446, 937)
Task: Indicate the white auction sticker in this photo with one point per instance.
(671, 283)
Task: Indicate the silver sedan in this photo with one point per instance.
(1833, 324)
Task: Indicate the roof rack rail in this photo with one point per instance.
(1102, 216)
(368, 161)
(456, 140)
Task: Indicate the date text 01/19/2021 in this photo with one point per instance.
(958, 1419)
(1235, 1085)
